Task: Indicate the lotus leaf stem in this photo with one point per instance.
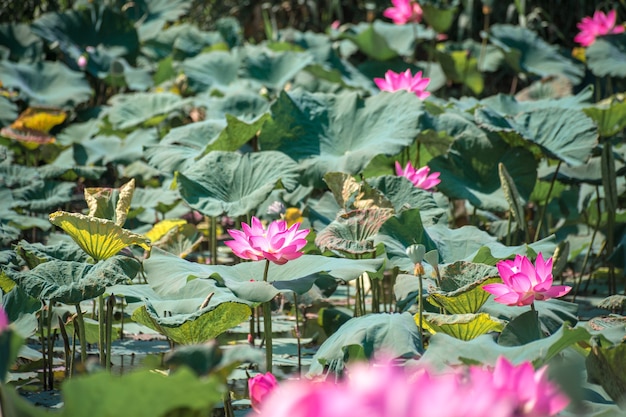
(267, 324)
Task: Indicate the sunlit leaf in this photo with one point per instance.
(351, 194)
(206, 324)
(100, 238)
(461, 326)
(161, 228)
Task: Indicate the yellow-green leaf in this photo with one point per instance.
(467, 299)
(461, 326)
(99, 238)
(161, 228)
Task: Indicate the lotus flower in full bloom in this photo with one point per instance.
(278, 243)
(404, 11)
(598, 25)
(404, 81)
(387, 390)
(259, 386)
(421, 178)
(525, 283)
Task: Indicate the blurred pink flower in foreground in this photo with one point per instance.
(530, 391)
(259, 387)
(404, 81)
(421, 178)
(4, 320)
(525, 283)
(278, 243)
(598, 25)
(404, 11)
(385, 390)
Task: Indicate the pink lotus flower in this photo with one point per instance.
(259, 387)
(4, 320)
(598, 25)
(81, 61)
(530, 392)
(525, 283)
(386, 390)
(404, 81)
(421, 178)
(278, 243)
(404, 11)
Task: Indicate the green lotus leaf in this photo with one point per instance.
(104, 149)
(553, 313)
(177, 42)
(99, 238)
(167, 273)
(272, 69)
(108, 32)
(239, 186)
(607, 56)
(71, 282)
(445, 351)
(8, 111)
(609, 116)
(129, 110)
(21, 44)
(245, 106)
(179, 392)
(469, 243)
(602, 364)
(46, 83)
(328, 132)
(181, 240)
(404, 195)
(70, 172)
(461, 326)
(199, 327)
(36, 253)
(148, 203)
(526, 52)
(151, 16)
(440, 16)
(470, 170)
(521, 330)
(354, 231)
(395, 334)
(21, 309)
(508, 105)
(382, 41)
(122, 74)
(467, 299)
(398, 233)
(564, 134)
(351, 194)
(216, 69)
(43, 197)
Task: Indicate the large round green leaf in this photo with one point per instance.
(394, 334)
(342, 132)
(46, 83)
(607, 56)
(235, 184)
(470, 170)
(19, 43)
(564, 134)
(151, 15)
(272, 69)
(98, 27)
(526, 52)
(216, 69)
(128, 110)
(71, 282)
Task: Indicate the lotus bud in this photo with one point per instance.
(416, 253)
